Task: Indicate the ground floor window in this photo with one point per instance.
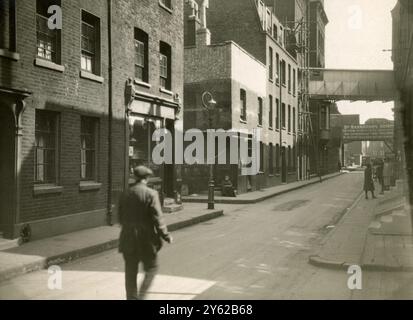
(46, 146)
(88, 148)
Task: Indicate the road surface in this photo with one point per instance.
(255, 251)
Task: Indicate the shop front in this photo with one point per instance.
(145, 116)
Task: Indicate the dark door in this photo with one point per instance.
(283, 165)
(169, 169)
(6, 167)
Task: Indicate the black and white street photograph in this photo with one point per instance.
(206, 150)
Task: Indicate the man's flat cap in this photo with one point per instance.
(142, 172)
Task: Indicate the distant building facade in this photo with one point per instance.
(347, 154)
(378, 149)
(295, 16)
(320, 110)
(402, 16)
(254, 45)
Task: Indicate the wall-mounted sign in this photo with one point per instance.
(152, 109)
(380, 132)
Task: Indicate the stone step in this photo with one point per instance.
(386, 219)
(8, 244)
(399, 213)
(392, 225)
(168, 202)
(375, 225)
(172, 208)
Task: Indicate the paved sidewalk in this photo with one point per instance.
(261, 195)
(374, 234)
(40, 254)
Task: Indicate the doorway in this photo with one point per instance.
(283, 165)
(169, 169)
(6, 168)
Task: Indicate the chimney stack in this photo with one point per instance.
(203, 35)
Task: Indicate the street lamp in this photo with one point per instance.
(209, 104)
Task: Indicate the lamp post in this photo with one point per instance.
(209, 104)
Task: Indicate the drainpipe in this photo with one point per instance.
(281, 125)
(110, 115)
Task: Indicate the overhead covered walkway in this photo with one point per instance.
(353, 85)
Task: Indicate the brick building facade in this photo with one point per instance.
(63, 96)
(345, 153)
(321, 160)
(402, 16)
(253, 28)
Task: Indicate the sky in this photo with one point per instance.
(357, 34)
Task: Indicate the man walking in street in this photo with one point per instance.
(143, 229)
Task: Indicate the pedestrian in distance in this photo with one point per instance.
(228, 188)
(143, 229)
(379, 174)
(368, 181)
(386, 174)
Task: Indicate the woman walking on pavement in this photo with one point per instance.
(368, 181)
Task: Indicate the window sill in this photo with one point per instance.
(48, 65)
(91, 76)
(270, 128)
(259, 126)
(89, 186)
(142, 84)
(9, 55)
(271, 80)
(165, 7)
(243, 121)
(168, 92)
(47, 189)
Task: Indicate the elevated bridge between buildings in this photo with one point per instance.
(352, 85)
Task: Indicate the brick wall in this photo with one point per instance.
(73, 96)
(237, 20)
(69, 95)
(160, 25)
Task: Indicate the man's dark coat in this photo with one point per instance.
(140, 215)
